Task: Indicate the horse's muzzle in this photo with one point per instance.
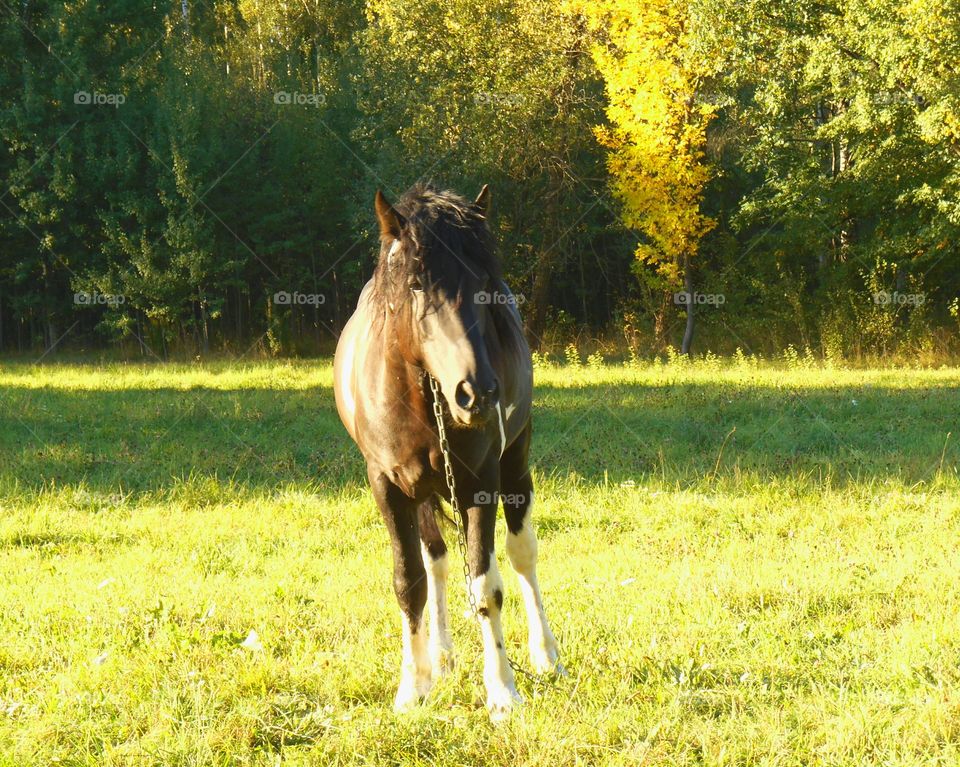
(475, 403)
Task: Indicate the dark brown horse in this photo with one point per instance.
(437, 305)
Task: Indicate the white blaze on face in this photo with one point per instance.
(390, 254)
(522, 552)
(393, 251)
(497, 675)
(415, 680)
(441, 644)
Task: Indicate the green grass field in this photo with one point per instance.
(782, 593)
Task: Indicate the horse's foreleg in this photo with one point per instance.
(517, 489)
(410, 585)
(435, 560)
(486, 587)
(522, 553)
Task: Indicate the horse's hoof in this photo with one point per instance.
(404, 702)
(410, 693)
(442, 661)
(501, 702)
(546, 661)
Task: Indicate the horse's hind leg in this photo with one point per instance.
(410, 585)
(516, 487)
(436, 563)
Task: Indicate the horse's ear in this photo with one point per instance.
(390, 220)
(483, 199)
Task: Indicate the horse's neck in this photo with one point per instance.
(400, 377)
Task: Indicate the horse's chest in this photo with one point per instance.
(409, 455)
(405, 454)
(415, 476)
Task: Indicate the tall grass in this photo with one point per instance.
(744, 562)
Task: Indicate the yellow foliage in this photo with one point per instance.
(657, 127)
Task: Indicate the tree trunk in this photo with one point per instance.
(556, 228)
(823, 257)
(547, 259)
(51, 330)
(844, 238)
(204, 325)
(140, 332)
(539, 301)
(239, 316)
(688, 287)
(337, 321)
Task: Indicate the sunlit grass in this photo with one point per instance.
(743, 564)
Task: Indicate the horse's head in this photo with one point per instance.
(436, 272)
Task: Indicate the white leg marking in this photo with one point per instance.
(441, 645)
(415, 679)
(503, 432)
(497, 675)
(522, 552)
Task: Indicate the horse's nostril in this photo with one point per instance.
(466, 397)
(476, 398)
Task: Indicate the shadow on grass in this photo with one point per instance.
(687, 432)
(123, 441)
(150, 440)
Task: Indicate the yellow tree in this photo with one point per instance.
(657, 129)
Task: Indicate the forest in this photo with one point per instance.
(197, 177)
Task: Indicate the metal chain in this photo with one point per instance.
(458, 519)
(452, 487)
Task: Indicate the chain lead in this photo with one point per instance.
(452, 487)
(458, 518)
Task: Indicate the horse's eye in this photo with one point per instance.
(414, 282)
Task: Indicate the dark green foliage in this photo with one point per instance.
(230, 152)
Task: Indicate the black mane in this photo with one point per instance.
(444, 238)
